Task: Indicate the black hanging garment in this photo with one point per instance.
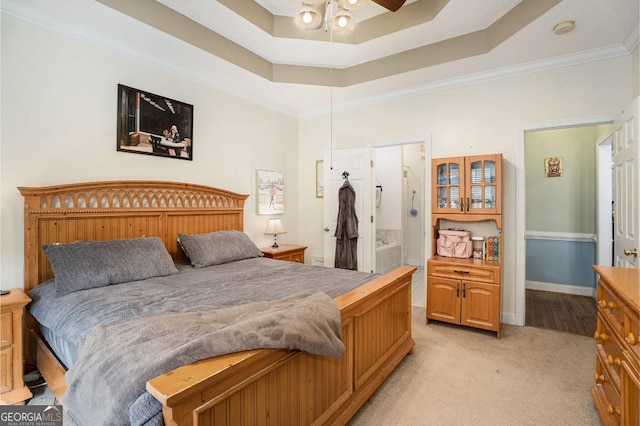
(347, 229)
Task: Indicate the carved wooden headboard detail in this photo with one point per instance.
(121, 209)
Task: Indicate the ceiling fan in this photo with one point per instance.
(391, 5)
(314, 13)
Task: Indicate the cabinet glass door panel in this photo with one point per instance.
(489, 172)
(476, 172)
(448, 177)
(442, 174)
(476, 196)
(454, 174)
(443, 198)
(480, 192)
(455, 197)
(490, 197)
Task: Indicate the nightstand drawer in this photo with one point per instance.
(6, 329)
(12, 387)
(298, 257)
(6, 369)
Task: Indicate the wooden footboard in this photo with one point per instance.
(292, 387)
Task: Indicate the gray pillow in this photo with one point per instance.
(89, 264)
(217, 247)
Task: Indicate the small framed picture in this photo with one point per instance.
(553, 167)
(154, 125)
(270, 189)
(319, 179)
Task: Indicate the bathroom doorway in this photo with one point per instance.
(401, 207)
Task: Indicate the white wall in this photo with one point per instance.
(567, 203)
(59, 100)
(475, 119)
(413, 247)
(388, 167)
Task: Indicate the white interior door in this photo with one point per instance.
(358, 163)
(626, 153)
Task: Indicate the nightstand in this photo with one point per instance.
(12, 387)
(287, 252)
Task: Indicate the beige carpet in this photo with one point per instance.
(461, 376)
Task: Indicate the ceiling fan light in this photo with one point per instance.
(310, 17)
(352, 4)
(342, 21)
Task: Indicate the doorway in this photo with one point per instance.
(521, 206)
(401, 169)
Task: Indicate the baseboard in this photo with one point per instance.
(509, 318)
(561, 288)
(414, 262)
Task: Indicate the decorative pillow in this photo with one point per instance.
(89, 264)
(217, 247)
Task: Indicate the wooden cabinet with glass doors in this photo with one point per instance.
(467, 185)
(465, 291)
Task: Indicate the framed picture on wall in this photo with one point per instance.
(319, 179)
(270, 190)
(553, 167)
(153, 124)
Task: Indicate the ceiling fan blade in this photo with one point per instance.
(392, 5)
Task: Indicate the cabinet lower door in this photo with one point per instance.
(443, 299)
(480, 305)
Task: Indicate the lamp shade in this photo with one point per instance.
(274, 226)
(343, 22)
(310, 16)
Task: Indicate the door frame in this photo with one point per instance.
(424, 139)
(518, 317)
(604, 197)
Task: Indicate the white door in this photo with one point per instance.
(626, 153)
(358, 163)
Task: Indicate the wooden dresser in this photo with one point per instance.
(12, 387)
(616, 391)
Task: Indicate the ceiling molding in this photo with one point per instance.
(229, 78)
(480, 42)
(419, 12)
(477, 78)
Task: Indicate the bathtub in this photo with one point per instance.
(388, 256)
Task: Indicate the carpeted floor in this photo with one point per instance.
(458, 376)
(461, 376)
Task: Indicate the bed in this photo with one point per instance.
(259, 386)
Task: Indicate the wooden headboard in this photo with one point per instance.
(121, 209)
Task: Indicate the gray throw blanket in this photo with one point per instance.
(117, 360)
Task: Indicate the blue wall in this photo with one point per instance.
(561, 262)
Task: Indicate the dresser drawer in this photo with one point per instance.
(609, 348)
(6, 329)
(467, 272)
(632, 334)
(611, 307)
(608, 399)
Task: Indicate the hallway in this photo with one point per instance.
(559, 311)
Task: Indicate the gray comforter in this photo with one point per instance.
(101, 320)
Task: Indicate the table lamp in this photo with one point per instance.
(275, 227)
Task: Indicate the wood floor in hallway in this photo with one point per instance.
(559, 311)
